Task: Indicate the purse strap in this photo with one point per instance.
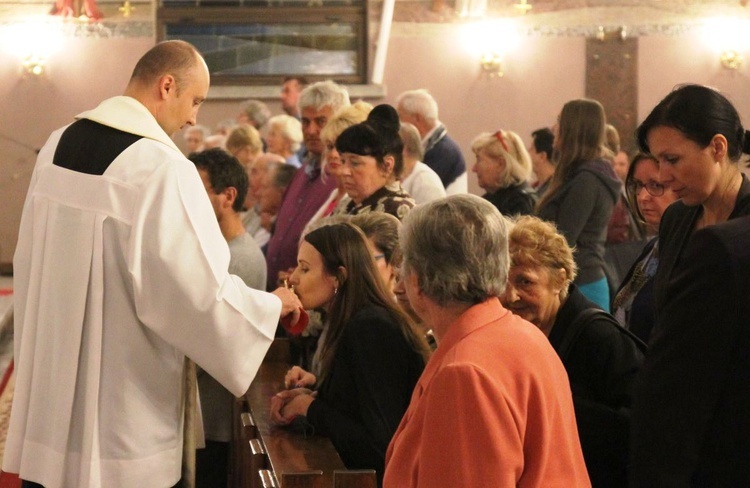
(584, 318)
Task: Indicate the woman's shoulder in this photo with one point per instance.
(371, 315)
(582, 321)
(677, 216)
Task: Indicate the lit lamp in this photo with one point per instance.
(731, 59)
(492, 64)
(33, 42)
(33, 64)
(491, 41)
(729, 38)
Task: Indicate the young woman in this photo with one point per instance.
(371, 357)
(583, 192)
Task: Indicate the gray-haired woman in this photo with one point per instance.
(494, 379)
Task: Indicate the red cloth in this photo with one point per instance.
(9, 480)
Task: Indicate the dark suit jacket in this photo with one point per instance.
(691, 405)
(446, 159)
(675, 229)
(362, 399)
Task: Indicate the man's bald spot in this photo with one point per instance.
(176, 58)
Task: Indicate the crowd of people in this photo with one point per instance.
(454, 340)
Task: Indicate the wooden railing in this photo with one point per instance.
(267, 456)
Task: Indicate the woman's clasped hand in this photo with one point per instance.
(286, 405)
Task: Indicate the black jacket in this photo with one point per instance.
(513, 200)
(602, 364)
(362, 399)
(691, 403)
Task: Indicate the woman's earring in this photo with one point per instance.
(335, 290)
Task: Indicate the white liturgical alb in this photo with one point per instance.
(117, 277)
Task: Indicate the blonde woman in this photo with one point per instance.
(503, 168)
(284, 138)
(601, 357)
(244, 143)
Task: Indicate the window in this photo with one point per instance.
(260, 42)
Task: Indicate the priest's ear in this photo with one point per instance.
(167, 86)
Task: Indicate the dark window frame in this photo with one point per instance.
(356, 15)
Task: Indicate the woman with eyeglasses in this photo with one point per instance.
(503, 168)
(582, 192)
(633, 305)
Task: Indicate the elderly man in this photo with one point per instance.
(255, 113)
(194, 137)
(251, 217)
(308, 190)
(275, 183)
(493, 406)
(121, 272)
(441, 153)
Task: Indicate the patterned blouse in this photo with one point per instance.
(391, 199)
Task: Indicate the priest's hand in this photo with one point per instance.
(290, 303)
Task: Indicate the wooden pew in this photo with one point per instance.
(268, 456)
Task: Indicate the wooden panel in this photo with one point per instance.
(288, 455)
(288, 451)
(309, 479)
(362, 478)
(612, 79)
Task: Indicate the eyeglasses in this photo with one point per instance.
(652, 187)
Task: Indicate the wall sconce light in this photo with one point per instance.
(33, 64)
(731, 59)
(728, 37)
(492, 64)
(490, 41)
(33, 42)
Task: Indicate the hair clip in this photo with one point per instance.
(499, 137)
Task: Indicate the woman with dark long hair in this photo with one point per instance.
(370, 359)
(582, 193)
